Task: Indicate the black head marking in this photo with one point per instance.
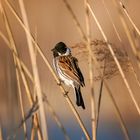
(61, 47)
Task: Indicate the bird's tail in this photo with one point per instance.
(79, 98)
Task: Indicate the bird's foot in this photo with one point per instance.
(60, 82)
(66, 93)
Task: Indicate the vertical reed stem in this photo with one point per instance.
(33, 129)
(93, 107)
(123, 127)
(20, 98)
(56, 118)
(35, 74)
(0, 132)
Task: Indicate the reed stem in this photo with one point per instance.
(35, 73)
(20, 99)
(13, 47)
(51, 70)
(93, 105)
(129, 18)
(118, 114)
(116, 61)
(29, 75)
(119, 38)
(128, 34)
(1, 138)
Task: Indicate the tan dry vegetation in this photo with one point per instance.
(110, 65)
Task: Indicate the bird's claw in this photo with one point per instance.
(60, 82)
(66, 93)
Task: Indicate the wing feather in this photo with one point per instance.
(69, 67)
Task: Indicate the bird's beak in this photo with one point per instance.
(53, 49)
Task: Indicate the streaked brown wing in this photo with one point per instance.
(67, 67)
(75, 65)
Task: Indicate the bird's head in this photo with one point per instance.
(61, 49)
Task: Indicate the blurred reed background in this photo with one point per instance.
(104, 35)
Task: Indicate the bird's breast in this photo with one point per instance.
(61, 73)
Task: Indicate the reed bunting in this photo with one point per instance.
(67, 69)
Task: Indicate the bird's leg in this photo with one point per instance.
(66, 93)
(60, 82)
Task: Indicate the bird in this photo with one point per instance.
(68, 71)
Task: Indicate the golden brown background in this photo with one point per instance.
(53, 23)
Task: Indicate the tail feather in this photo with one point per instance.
(79, 98)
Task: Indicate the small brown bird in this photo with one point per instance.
(67, 68)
